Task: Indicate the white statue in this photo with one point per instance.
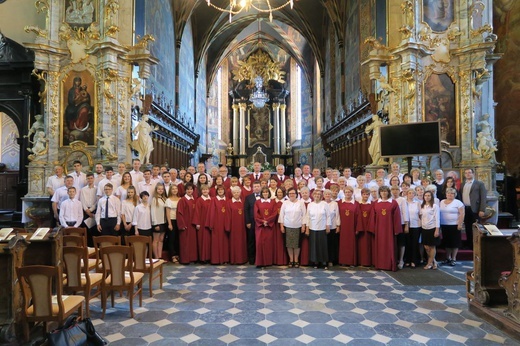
(143, 144)
(106, 143)
(39, 145)
(384, 93)
(375, 144)
(486, 144)
(36, 126)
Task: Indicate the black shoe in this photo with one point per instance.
(453, 263)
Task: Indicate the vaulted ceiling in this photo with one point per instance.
(299, 32)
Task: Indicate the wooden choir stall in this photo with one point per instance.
(495, 296)
(17, 248)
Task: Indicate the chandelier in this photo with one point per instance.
(263, 6)
(259, 97)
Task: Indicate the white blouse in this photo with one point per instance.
(430, 217)
(173, 208)
(292, 214)
(334, 214)
(317, 217)
(158, 211)
(414, 210)
(127, 209)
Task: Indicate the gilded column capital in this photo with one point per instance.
(283, 107)
(276, 106)
(242, 106)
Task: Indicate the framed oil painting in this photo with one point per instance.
(80, 13)
(259, 127)
(438, 14)
(78, 99)
(439, 105)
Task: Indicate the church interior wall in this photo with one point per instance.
(187, 75)
(14, 29)
(507, 83)
(158, 21)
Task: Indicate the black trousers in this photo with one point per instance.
(173, 239)
(469, 219)
(251, 243)
(108, 226)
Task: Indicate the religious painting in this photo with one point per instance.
(78, 99)
(80, 13)
(438, 14)
(259, 127)
(439, 105)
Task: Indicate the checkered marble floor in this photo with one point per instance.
(243, 305)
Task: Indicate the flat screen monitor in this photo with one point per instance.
(414, 139)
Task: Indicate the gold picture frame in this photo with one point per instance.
(259, 126)
(78, 104)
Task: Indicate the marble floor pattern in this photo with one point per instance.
(243, 305)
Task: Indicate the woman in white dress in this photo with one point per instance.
(318, 222)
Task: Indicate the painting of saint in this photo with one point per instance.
(439, 104)
(438, 14)
(78, 102)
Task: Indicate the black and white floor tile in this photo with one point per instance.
(243, 305)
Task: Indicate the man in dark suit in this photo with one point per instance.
(474, 198)
(249, 207)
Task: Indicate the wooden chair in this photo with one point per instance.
(39, 304)
(100, 242)
(143, 261)
(77, 241)
(78, 278)
(120, 277)
(81, 232)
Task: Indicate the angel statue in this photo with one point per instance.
(39, 145)
(106, 144)
(384, 93)
(374, 148)
(143, 144)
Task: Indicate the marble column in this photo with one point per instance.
(283, 127)
(276, 117)
(243, 108)
(236, 126)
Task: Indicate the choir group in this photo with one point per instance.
(389, 222)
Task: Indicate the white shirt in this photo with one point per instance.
(466, 189)
(334, 214)
(414, 211)
(317, 217)
(430, 217)
(55, 182)
(144, 186)
(98, 178)
(403, 208)
(71, 210)
(61, 195)
(292, 214)
(450, 212)
(137, 177)
(127, 209)
(158, 211)
(121, 192)
(352, 182)
(80, 180)
(142, 217)
(89, 198)
(101, 186)
(114, 208)
(172, 205)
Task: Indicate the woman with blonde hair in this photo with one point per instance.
(171, 218)
(127, 213)
(158, 214)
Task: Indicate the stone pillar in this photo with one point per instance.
(243, 108)
(283, 128)
(236, 126)
(276, 120)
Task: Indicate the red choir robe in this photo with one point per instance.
(365, 236)
(187, 232)
(264, 212)
(348, 213)
(304, 251)
(279, 249)
(201, 218)
(213, 192)
(245, 193)
(387, 224)
(236, 225)
(219, 236)
(279, 182)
